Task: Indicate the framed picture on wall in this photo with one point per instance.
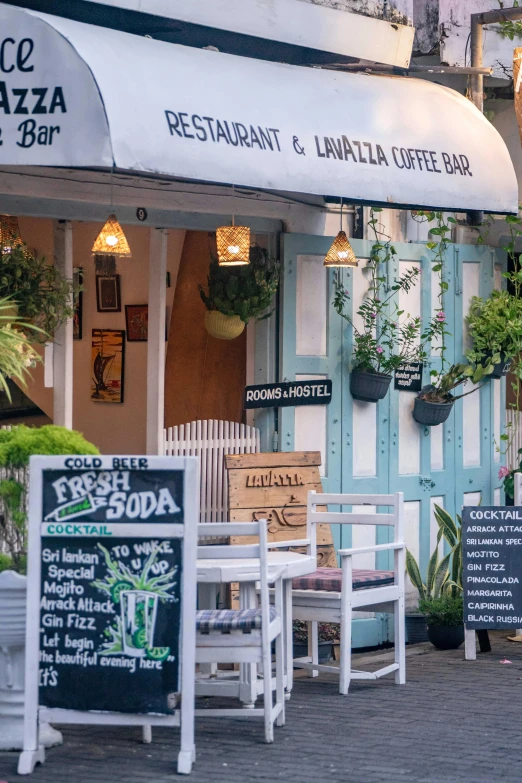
(78, 303)
(107, 365)
(108, 299)
(137, 322)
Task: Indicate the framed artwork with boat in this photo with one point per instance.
(107, 365)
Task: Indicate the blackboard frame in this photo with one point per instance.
(33, 752)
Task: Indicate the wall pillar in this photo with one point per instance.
(63, 336)
(156, 340)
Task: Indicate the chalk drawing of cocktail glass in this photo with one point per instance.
(138, 617)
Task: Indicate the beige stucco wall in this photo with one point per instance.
(114, 428)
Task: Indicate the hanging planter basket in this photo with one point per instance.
(369, 386)
(500, 369)
(223, 327)
(431, 413)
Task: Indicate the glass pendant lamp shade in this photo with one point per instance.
(341, 252)
(233, 245)
(111, 240)
(9, 233)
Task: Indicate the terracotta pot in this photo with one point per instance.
(223, 327)
(369, 386)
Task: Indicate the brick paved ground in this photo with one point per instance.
(453, 721)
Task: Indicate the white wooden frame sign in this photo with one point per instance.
(111, 600)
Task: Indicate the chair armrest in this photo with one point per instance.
(376, 548)
(274, 575)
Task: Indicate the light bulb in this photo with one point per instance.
(234, 249)
(342, 254)
(111, 241)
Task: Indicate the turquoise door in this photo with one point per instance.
(370, 448)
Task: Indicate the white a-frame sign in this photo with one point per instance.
(111, 595)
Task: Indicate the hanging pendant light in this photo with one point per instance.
(341, 252)
(111, 240)
(233, 242)
(9, 233)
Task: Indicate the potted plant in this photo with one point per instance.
(382, 343)
(236, 294)
(39, 293)
(434, 402)
(443, 578)
(508, 480)
(495, 326)
(16, 354)
(328, 636)
(16, 447)
(445, 620)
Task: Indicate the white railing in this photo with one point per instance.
(210, 441)
(514, 432)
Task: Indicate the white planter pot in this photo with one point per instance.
(13, 595)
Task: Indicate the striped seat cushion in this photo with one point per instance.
(331, 579)
(226, 620)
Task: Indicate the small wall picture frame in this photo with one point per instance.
(78, 303)
(137, 323)
(108, 298)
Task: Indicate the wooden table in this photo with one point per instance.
(213, 572)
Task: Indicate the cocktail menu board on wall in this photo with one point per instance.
(112, 545)
(492, 567)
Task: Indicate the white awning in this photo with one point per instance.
(76, 95)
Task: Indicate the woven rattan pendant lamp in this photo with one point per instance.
(9, 233)
(111, 240)
(233, 242)
(341, 252)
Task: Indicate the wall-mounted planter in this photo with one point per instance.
(500, 369)
(369, 386)
(430, 414)
(223, 327)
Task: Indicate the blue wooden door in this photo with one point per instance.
(370, 448)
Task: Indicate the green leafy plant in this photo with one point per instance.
(246, 291)
(495, 326)
(446, 611)
(387, 337)
(509, 28)
(16, 447)
(17, 356)
(443, 577)
(440, 390)
(508, 477)
(41, 292)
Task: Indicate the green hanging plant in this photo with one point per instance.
(40, 292)
(245, 291)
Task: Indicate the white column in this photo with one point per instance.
(63, 336)
(156, 341)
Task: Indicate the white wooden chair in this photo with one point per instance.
(333, 594)
(245, 635)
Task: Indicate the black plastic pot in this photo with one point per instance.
(325, 651)
(500, 369)
(369, 386)
(446, 637)
(416, 629)
(431, 413)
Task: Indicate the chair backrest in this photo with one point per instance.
(210, 440)
(393, 518)
(258, 551)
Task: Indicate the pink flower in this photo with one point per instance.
(441, 316)
(373, 315)
(503, 472)
(379, 349)
(346, 292)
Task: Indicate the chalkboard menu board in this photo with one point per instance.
(110, 591)
(492, 566)
(408, 377)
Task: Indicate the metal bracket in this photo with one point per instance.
(426, 482)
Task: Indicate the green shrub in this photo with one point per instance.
(246, 291)
(445, 611)
(6, 562)
(495, 326)
(16, 447)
